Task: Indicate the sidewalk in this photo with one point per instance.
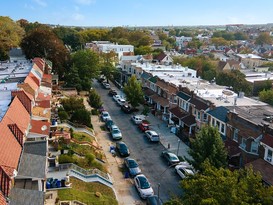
(168, 139)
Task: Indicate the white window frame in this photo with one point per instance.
(268, 157)
(252, 146)
(235, 135)
(243, 143)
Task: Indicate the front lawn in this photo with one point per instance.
(82, 137)
(86, 193)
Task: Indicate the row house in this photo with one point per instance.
(23, 159)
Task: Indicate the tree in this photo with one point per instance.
(10, 36)
(266, 96)
(133, 91)
(222, 186)
(94, 99)
(142, 50)
(71, 104)
(219, 41)
(82, 116)
(87, 63)
(263, 38)
(42, 42)
(208, 145)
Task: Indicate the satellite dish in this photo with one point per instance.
(44, 127)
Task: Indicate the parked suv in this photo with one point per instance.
(152, 136)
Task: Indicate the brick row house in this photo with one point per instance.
(187, 104)
(23, 137)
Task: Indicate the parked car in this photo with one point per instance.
(184, 170)
(144, 126)
(143, 186)
(170, 157)
(154, 200)
(152, 136)
(132, 166)
(105, 116)
(116, 97)
(109, 123)
(121, 101)
(106, 85)
(122, 149)
(116, 133)
(112, 92)
(128, 109)
(137, 119)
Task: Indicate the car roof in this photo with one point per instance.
(152, 132)
(120, 142)
(105, 112)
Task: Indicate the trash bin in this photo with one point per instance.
(127, 175)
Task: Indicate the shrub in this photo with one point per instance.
(94, 112)
(64, 158)
(63, 115)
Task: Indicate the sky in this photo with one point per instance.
(111, 13)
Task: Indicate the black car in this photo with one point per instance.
(154, 200)
(170, 157)
(122, 149)
(112, 92)
(128, 109)
(108, 124)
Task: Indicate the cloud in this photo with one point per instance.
(85, 2)
(78, 17)
(41, 3)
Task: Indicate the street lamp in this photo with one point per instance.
(178, 147)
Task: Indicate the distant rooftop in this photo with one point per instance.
(250, 55)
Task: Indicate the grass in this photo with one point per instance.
(103, 128)
(86, 193)
(82, 137)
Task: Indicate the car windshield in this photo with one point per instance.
(105, 114)
(115, 131)
(132, 164)
(144, 184)
(123, 147)
(173, 157)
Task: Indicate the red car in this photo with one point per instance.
(143, 126)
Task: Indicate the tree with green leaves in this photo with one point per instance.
(94, 99)
(266, 96)
(222, 186)
(87, 62)
(71, 104)
(208, 145)
(263, 38)
(133, 91)
(11, 34)
(82, 116)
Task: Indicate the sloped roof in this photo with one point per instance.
(18, 114)
(199, 105)
(265, 168)
(28, 89)
(145, 75)
(2, 199)
(183, 95)
(162, 101)
(161, 56)
(178, 112)
(34, 78)
(31, 83)
(40, 63)
(26, 196)
(10, 149)
(148, 92)
(189, 120)
(153, 79)
(219, 113)
(47, 78)
(232, 147)
(221, 65)
(268, 140)
(40, 127)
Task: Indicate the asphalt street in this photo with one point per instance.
(145, 153)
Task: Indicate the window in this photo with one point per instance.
(269, 155)
(205, 116)
(254, 147)
(198, 115)
(222, 128)
(218, 124)
(235, 135)
(213, 122)
(243, 144)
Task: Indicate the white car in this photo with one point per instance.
(116, 97)
(184, 169)
(137, 119)
(106, 85)
(121, 101)
(143, 186)
(115, 132)
(105, 116)
(152, 136)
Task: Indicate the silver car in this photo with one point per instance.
(143, 186)
(115, 132)
(132, 166)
